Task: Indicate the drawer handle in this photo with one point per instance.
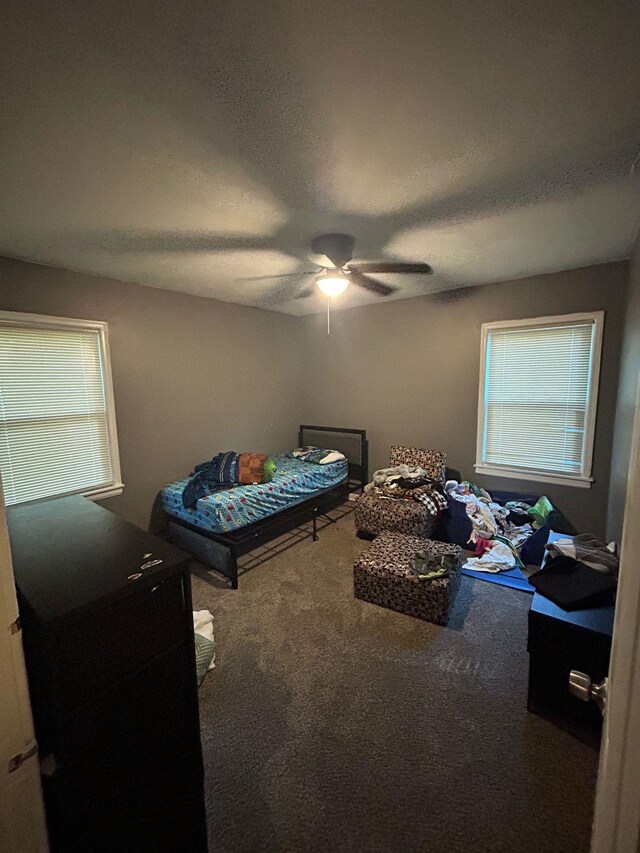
(49, 765)
(150, 564)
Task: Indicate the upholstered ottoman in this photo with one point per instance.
(373, 515)
(383, 574)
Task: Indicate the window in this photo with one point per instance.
(538, 396)
(57, 420)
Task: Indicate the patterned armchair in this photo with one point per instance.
(374, 514)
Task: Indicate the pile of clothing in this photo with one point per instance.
(408, 482)
(429, 566)
(225, 471)
(589, 550)
(578, 572)
(498, 531)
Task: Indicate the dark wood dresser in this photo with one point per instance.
(108, 640)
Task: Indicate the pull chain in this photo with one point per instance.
(328, 316)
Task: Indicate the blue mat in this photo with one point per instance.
(513, 578)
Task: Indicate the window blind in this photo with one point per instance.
(537, 397)
(54, 434)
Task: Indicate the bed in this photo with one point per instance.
(227, 524)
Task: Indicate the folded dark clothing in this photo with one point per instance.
(193, 491)
(571, 584)
(518, 518)
(196, 488)
(222, 469)
(219, 472)
(418, 482)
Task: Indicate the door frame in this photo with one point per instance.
(22, 820)
(616, 823)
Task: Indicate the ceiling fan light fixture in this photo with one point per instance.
(332, 283)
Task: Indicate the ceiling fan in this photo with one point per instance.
(334, 278)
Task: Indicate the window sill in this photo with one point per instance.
(107, 492)
(535, 477)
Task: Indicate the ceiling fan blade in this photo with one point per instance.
(370, 284)
(306, 293)
(122, 242)
(280, 275)
(391, 267)
(289, 288)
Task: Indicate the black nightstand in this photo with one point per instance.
(558, 642)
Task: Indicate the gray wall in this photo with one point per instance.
(191, 376)
(407, 372)
(626, 402)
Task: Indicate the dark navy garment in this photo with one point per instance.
(219, 473)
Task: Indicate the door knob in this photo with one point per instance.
(583, 688)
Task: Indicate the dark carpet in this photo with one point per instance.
(334, 725)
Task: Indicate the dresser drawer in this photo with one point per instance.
(88, 657)
(127, 774)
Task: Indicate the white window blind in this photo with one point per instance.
(57, 433)
(539, 396)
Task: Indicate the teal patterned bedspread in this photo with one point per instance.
(227, 510)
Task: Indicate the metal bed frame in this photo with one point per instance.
(220, 551)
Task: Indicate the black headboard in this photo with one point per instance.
(352, 442)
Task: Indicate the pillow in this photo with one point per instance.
(251, 468)
(316, 454)
(332, 456)
(269, 470)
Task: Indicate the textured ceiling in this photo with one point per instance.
(196, 145)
